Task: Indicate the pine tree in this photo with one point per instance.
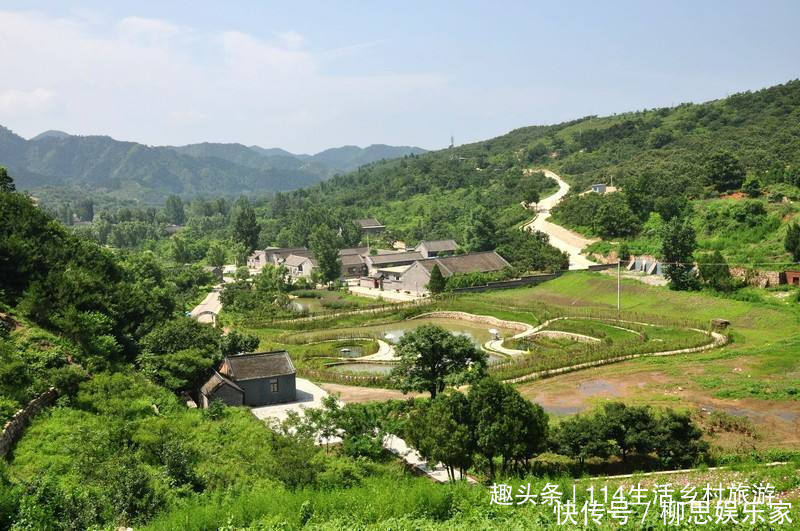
(792, 241)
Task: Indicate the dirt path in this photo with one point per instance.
(356, 394)
(563, 239)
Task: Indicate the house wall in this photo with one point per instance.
(793, 277)
(257, 392)
(415, 279)
(354, 271)
(226, 393)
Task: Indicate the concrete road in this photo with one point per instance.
(563, 239)
(210, 305)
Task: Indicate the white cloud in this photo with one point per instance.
(156, 82)
(291, 39)
(147, 31)
(13, 101)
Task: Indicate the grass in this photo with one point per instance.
(397, 501)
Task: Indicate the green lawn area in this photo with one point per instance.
(763, 361)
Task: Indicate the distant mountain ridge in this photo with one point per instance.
(150, 173)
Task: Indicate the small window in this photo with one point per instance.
(273, 385)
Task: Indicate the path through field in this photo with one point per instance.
(563, 239)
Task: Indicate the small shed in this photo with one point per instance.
(220, 388)
(599, 188)
(257, 379)
(793, 277)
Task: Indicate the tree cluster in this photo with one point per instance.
(623, 431)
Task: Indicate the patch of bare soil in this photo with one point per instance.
(777, 424)
(576, 392)
(356, 394)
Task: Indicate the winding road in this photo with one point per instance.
(563, 239)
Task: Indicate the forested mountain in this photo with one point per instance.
(128, 170)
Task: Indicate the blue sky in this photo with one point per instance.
(310, 75)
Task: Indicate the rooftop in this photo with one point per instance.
(368, 223)
(483, 262)
(258, 365)
(215, 381)
(295, 260)
(353, 250)
(392, 258)
(439, 245)
(351, 259)
(395, 269)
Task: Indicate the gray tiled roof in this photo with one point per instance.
(351, 259)
(439, 245)
(215, 381)
(466, 263)
(295, 260)
(368, 222)
(258, 365)
(392, 258)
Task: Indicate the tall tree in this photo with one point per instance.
(430, 356)
(174, 211)
(506, 424)
(677, 250)
(714, 271)
(85, 209)
(632, 428)
(725, 172)
(437, 283)
(792, 241)
(480, 232)
(677, 441)
(216, 254)
(581, 437)
(6, 182)
(245, 226)
(325, 243)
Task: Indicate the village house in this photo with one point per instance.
(434, 248)
(274, 256)
(353, 265)
(370, 226)
(377, 261)
(416, 278)
(255, 379)
(299, 265)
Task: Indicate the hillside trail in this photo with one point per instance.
(563, 239)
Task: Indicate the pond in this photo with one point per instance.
(349, 351)
(477, 333)
(306, 305)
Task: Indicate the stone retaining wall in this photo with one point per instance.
(481, 319)
(16, 426)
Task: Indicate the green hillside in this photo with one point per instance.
(660, 159)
